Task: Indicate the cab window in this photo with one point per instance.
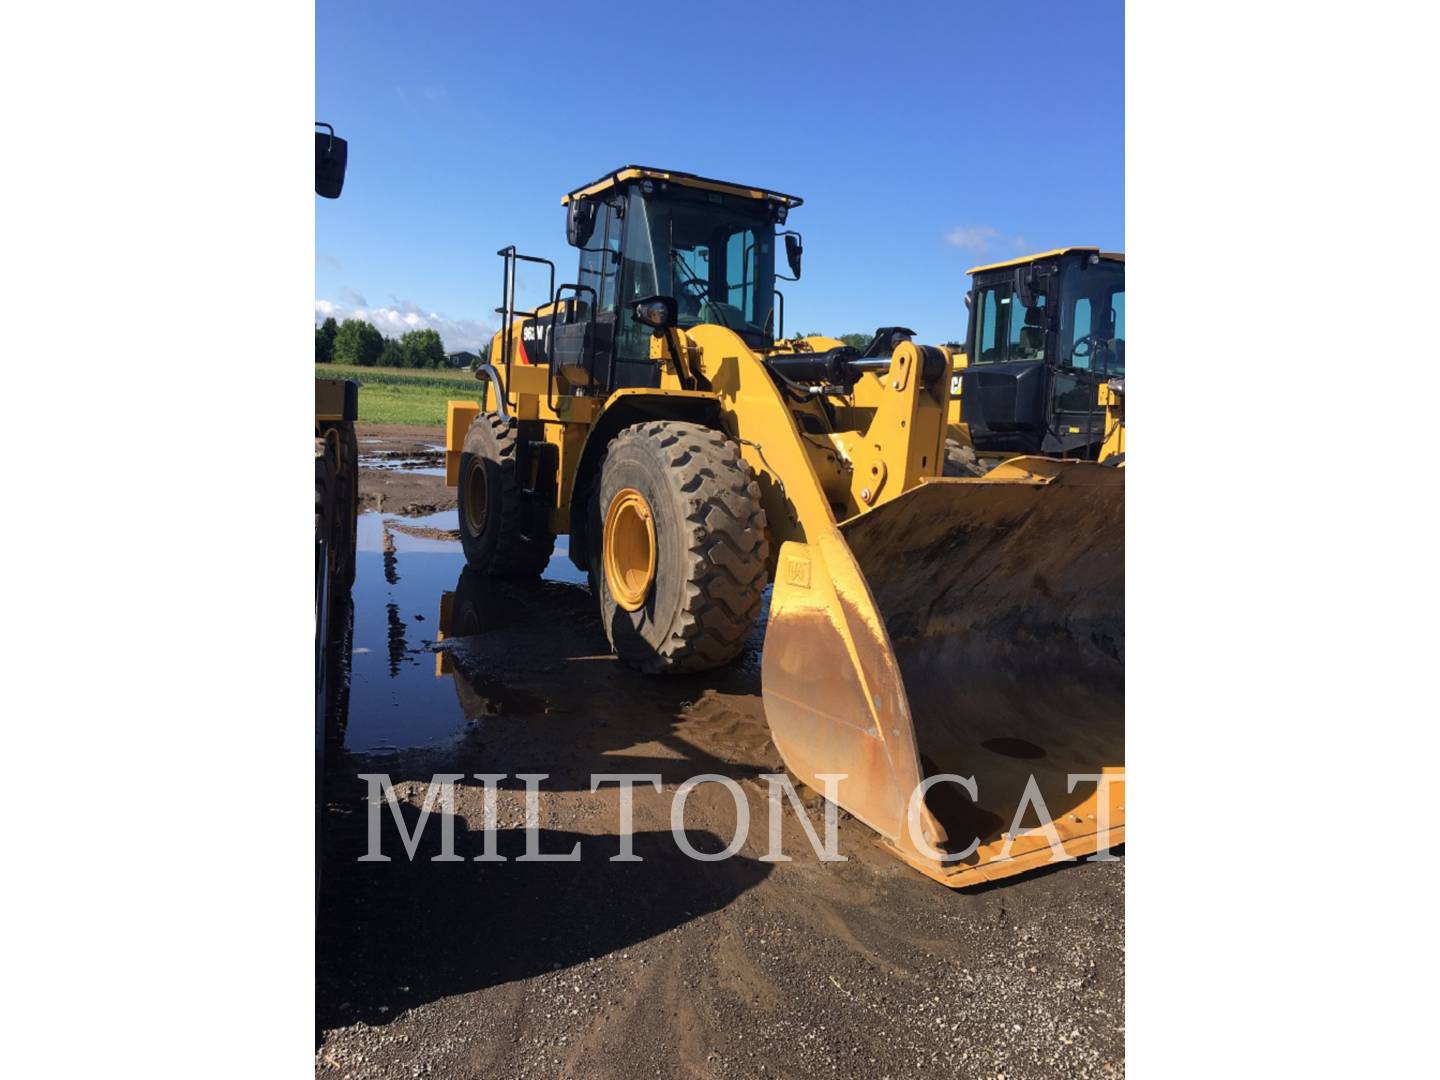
(1027, 329)
(1081, 323)
(1006, 329)
(986, 321)
(599, 261)
(1092, 317)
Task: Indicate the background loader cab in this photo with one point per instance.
(1045, 344)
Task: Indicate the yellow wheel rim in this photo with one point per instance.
(629, 549)
(477, 497)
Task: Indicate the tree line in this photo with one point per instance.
(356, 342)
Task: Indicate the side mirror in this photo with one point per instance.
(330, 154)
(794, 248)
(969, 299)
(661, 312)
(579, 222)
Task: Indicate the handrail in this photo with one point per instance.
(507, 310)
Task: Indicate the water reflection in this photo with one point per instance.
(385, 694)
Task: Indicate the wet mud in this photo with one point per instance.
(402, 470)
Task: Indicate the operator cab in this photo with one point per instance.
(648, 233)
(1046, 332)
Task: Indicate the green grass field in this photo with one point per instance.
(402, 395)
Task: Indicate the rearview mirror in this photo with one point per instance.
(579, 222)
(794, 248)
(330, 154)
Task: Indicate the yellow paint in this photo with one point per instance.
(459, 415)
(629, 549)
(956, 428)
(1112, 400)
(444, 665)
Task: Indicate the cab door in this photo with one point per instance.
(585, 313)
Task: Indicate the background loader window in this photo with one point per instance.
(1006, 329)
(986, 320)
(1092, 310)
(1082, 327)
(1026, 336)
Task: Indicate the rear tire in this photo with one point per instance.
(492, 528)
(685, 488)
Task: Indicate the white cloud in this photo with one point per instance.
(982, 238)
(970, 237)
(400, 316)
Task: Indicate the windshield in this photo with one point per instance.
(714, 253)
(1092, 317)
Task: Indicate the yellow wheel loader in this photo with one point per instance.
(952, 648)
(1043, 371)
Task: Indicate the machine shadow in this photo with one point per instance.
(394, 935)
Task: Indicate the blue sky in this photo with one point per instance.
(924, 138)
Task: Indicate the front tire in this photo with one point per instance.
(678, 560)
(492, 528)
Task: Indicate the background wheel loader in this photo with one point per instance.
(1043, 371)
(954, 647)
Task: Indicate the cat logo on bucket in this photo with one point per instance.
(797, 571)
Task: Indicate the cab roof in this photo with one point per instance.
(1119, 256)
(644, 172)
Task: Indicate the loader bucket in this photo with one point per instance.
(972, 628)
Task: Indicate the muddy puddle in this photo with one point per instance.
(427, 459)
(400, 693)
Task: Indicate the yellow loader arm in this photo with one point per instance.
(937, 627)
